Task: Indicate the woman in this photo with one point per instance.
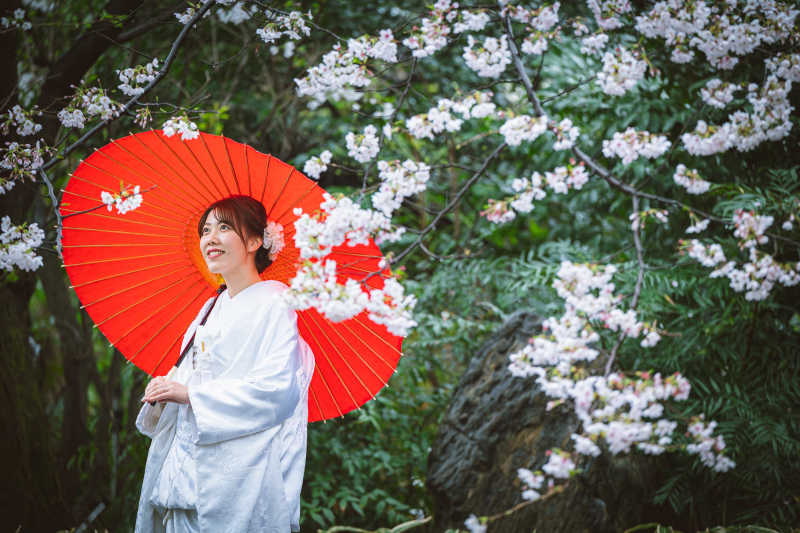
(229, 430)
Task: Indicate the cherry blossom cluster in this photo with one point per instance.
(566, 135)
(707, 140)
(125, 200)
(632, 144)
(181, 125)
(392, 308)
(759, 275)
(718, 93)
(86, 104)
(593, 44)
(620, 72)
(317, 165)
(22, 160)
(341, 70)
(705, 445)
(488, 58)
(786, 66)
(363, 147)
(17, 244)
(697, 224)
(440, 118)
(432, 36)
(541, 23)
(237, 14)
(571, 176)
(468, 21)
(750, 228)
(135, 79)
(607, 12)
(690, 180)
(522, 128)
(191, 11)
(399, 181)
(623, 411)
(17, 22)
(770, 117)
(639, 219)
(720, 31)
(23, 119)
(291, 25)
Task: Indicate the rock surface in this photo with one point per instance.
(497, 423)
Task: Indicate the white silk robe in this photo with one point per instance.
(249, 422)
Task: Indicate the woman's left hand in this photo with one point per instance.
(169, 392)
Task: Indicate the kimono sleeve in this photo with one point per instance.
(148, 418)
(226, 409)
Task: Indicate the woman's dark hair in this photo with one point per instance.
(247, 217)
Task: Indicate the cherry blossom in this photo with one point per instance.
(17, 244)
(708, 140)
(317, 165)
(185, 17)
(620, 72)
(690, 180)
(22, 160)
(607, 12)
(134, 79)
(630, 145)
(17, 22)
(708, 255)
(639, 219)
(436, 120)
(523, 128)
(398, 182)
(363, 148)
(432, 36)
(593, 44)
(698, 226)
(291, 25)
(23, 119)
(541, 22)
(786, 66)
(566, 135)
(718, 94)
(490, 58)
(125, 200)
(86, 104)
(237, 14)
(470, 22)
(750, 228)
(182, 125)
(473, 524)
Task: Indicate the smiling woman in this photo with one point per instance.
(242, 391)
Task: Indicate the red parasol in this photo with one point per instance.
(142, 278)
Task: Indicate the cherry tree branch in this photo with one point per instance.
(160, 74)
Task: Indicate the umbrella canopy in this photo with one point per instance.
(142, 278)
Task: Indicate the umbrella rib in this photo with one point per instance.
(266, 175)
(165, 355)
(356, 255)
(320, 370)
(230, 164)
(203, 168)
(141, 301)
(113, 217)
(117, 231)
(139, 285)
(216, 167)
(370, 347)
(165, 164)
(314, 394)
(140, 211)
(152, 193)
(119, 259)
(154, 313)
(377, 335)
(345, 361)
(362, 359)
(247, 164)
(165, 325)
(297, 201)
(179, 158)
(125, 273)
(117, 245)
(280, 193)
(141, 175)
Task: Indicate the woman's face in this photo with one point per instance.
(222, 247)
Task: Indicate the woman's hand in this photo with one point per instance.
(161, 391)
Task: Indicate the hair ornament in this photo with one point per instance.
(273, 239)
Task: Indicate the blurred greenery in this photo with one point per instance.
(368, 469)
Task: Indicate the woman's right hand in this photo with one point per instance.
(150, 386)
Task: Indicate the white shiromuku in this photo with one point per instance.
(236, 454)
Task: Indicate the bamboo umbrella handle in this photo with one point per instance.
(168, 377)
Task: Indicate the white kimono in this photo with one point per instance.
(248, 423)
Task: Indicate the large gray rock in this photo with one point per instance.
(497, 423)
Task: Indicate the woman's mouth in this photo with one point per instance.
(211, 254)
